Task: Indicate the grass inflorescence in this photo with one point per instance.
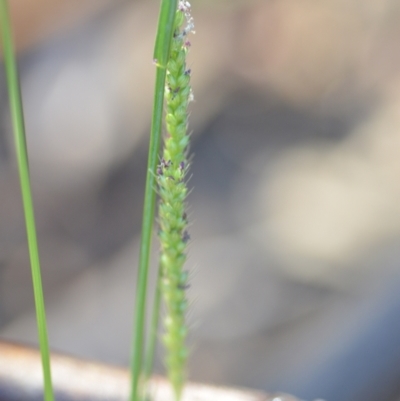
(173, 191)
(171, 98)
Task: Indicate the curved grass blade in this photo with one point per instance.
(23, 167)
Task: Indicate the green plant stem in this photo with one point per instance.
(161, 50)
(153, 333)
(23, 166)
(165, 31)
(147, 230)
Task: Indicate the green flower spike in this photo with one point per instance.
(173, 191)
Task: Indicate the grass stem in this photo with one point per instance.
(161, 51)
(23, 167)
(147, 230)
(153, 332)
(164, 34)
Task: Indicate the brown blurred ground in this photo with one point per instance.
(296, 200)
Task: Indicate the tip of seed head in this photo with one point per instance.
(184, 6)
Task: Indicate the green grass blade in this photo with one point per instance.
(164, 32)
(22, 158)
(147, 230)
(161, 51)
(153, 333)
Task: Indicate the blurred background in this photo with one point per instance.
(295, 251)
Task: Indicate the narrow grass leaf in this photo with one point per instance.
(164, 32)
(23, 167)
(163, 41)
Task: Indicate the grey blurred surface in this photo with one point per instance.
(295, 208)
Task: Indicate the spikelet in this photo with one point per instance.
(173, 191)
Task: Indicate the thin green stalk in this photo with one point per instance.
(163, 40)
(147, 230)
(165, 31)
(23, 166)
(153, 333)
